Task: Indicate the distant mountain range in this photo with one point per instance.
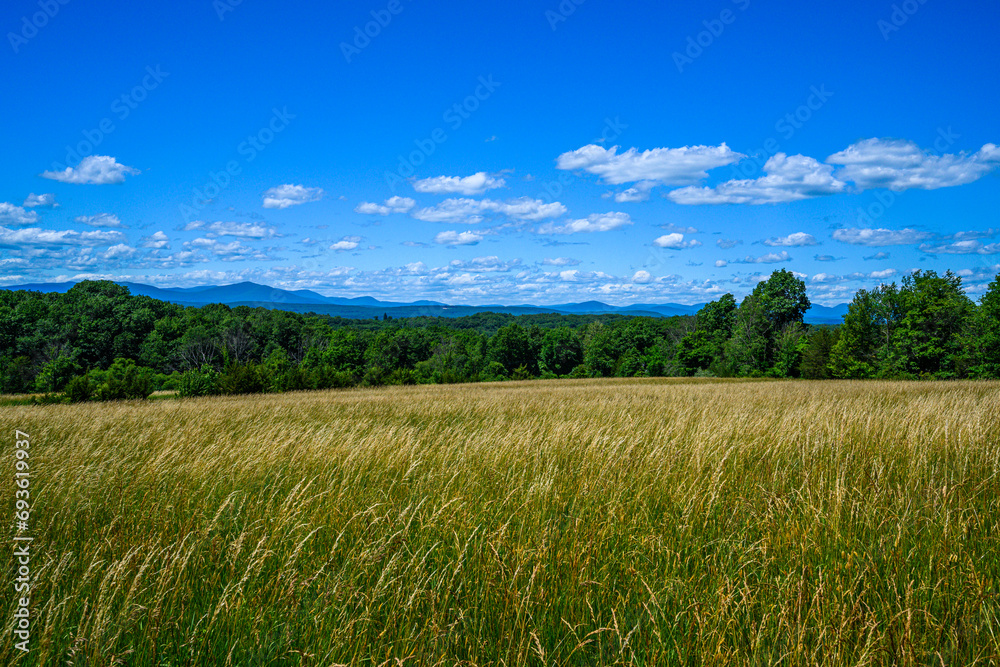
(366, 307)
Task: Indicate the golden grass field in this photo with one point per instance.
(569, 522)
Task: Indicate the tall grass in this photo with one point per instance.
(541, 523)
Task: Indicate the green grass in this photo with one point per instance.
(587, 522)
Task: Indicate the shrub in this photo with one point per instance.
(242, 379)
(125, 380)
(198, 382)
(79, 389)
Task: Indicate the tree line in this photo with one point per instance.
(99, 342)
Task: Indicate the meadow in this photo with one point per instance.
(569, 522)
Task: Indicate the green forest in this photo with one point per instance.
(99, 342)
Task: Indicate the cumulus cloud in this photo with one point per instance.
(247, 230)
(16, 215)
(93, 170)
(234, 251)
(675, 241)
(878, 255)
(476, 184)
(346, 243)
(719, 263)
(119, 252)
(899, 164)
(726, 244)
(560, 261)
(642, 277)
(287, 195)
(879, 237)
(595, 222)
(34, 236)
(491, 264)
(99, 220)
(158, 241)
(663, 166)
(967, 247)
(639, 192)
(792, 240)
(47, 200)
(788, 178)
(768, 258)
(454, 238)
(472, 211)
(392, 205)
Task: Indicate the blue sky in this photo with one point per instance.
(501, 152)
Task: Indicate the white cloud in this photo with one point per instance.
(595, 222)
(667, 166)
(639, 192)
(476, 184)
(490, 264)
(969, 247)
(119, 251)
(472, 211)
(899, 164)
(99, 220)
(16, 215)
(642, 277)
(675, 241)
(769, 258)
(792, 240)
(287, 195)
(560, 261)
(234, 251)
(93, 170)
(719, 263)
(47, 200)
(346, 243)
(726, 244)
(879, 237)
(452, 237)
(392, 205)
(671, 227)
(158, 241)
(247, 230)
(884, 273)
(33, 236)
(789, 178)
